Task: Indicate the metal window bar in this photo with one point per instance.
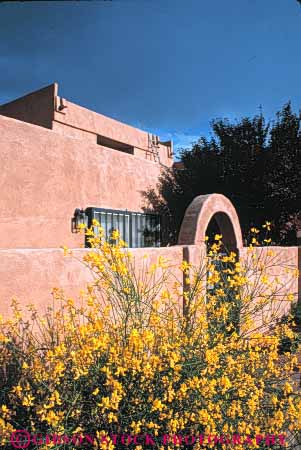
(135, 228)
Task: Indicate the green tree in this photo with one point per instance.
(282, 183)
(252, 162)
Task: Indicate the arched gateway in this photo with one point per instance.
(201, 211)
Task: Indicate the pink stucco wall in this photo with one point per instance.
(46, 175)
(29, 275)
(280, 265)
(47, 109)
(76, 120)
(51, 165)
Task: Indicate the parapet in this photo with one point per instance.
(47, 109)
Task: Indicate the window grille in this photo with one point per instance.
(135, 228)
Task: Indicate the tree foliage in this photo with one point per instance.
(254, 163)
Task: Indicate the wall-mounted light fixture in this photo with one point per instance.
(79, 220)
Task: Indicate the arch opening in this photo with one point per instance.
(209, 215)
(221, 224)
(199, 215)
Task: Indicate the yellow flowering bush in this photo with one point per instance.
(129, 358)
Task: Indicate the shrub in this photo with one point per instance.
(126, 360)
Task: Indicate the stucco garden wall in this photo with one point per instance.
(281, 266)
(29, 275)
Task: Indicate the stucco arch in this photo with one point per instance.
(198, 215)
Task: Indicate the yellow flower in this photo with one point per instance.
(287, 388)
(66, 250)
(17, 389)
(185, 266)
(4, 409)
(264, 279)
(157, 405)
(218, 237)
(193, 370)
(267, 225)
(28, 400)
(115, 235)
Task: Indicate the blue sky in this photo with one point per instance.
(166, 66)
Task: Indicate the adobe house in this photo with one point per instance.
(59, 157)
(63, 164)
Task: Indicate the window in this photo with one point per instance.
(135, 228)
(116, 145)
